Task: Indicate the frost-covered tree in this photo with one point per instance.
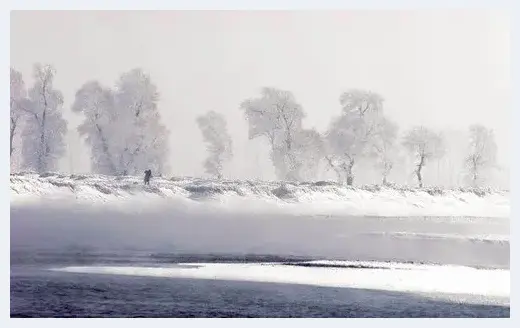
(276, 116)
(140, 140)
(482, 153)
(45, 128)
(218, 142)
(346, 142)
(423, 145)
(350, 134)
(123, 126)
(96, 103)
(366, 104)
(18, 104)
(383, 147)
(308, 151)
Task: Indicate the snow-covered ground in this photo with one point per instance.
(449, 244)
(313, 198)
(389, 277)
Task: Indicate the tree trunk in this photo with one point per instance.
(43, 155)
(475, 173)
(292, 168)
(106, 151)
(13, 127)
(418, 172)
(419, 177)
(350, 175)
(11, 136)
(386, 172)
(219, 169)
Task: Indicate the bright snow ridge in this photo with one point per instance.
(319, 198)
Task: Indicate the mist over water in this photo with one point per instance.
(135, 254)
(173, 229)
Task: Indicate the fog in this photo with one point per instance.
(443, 69)
(175, 229)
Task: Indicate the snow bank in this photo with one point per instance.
(384, 276)
(320, 198)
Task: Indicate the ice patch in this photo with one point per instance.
(390, 277)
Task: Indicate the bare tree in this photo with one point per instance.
(482, 152)
(423, 145)
(219, 144)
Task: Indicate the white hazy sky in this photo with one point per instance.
(444, 69)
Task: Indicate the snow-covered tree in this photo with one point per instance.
(96, 103)
(383, 147)
(350, 134)
(423, 145)
(482, 153)
(366, 104)
(123, 126)
(218, 142)
(346, 142)
(18, 104)
(140, 140)
(276, 116)
(45, 128)
(308, 151)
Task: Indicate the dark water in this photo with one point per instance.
(43, 238)
(37, 291)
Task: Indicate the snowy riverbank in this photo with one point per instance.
(312, 198)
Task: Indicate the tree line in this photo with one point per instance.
(122, 127)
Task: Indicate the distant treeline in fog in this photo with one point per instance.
(123, 130)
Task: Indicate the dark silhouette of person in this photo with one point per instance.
(147, 176)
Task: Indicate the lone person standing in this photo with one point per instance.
(147, 176)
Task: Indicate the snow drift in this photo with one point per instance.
(318, 198)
